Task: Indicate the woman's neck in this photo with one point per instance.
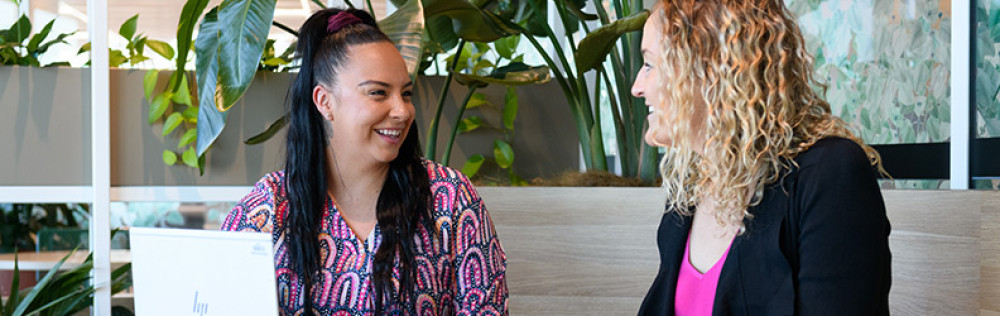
(354, 186)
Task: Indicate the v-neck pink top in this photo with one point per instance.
(695, 293)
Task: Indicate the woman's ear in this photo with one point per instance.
(323, 100)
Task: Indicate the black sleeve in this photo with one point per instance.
(843, 240)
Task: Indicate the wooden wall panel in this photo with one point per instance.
(989, 293)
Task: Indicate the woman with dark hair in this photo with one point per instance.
(362, 224)
(772, 202)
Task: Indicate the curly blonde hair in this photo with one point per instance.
(746, 59)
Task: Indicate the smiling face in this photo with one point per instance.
(368, 106)
(666, 110)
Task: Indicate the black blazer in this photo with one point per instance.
(818, 244)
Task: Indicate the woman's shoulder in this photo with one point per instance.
(834, 151)
(450, 189)
(438, 173)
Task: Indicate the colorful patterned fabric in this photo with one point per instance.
(460, 271)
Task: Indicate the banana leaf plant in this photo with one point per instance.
(619, 39)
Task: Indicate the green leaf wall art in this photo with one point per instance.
(886, 65)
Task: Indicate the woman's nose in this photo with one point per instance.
(637, 86)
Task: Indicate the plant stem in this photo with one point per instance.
(371, 9)
(285, 28)
(349, 4)
(431, 149)
(454, 129)
(320, 4)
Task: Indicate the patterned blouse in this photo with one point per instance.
(460, 271)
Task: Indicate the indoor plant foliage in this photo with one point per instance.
(19, 47)
(62, 292)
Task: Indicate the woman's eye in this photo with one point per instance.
(377, 92)
(407, 93)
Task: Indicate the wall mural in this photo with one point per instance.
(886, 64)
(987, 68)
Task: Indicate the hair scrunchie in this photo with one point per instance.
(340, 20)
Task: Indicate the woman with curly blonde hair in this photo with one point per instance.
(772, 203)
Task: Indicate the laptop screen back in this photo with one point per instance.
(200, 272)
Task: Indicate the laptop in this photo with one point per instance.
(202, 272)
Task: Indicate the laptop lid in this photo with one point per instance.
(202, 272)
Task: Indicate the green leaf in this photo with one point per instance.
(149, 83)
(468, 21)
(174, 219)
(405, 27)
(83, 49)
(61, 38)
(469, 124)
(503, 154)
(127, 30)
(19, 31)
(159, 106)
(116, 58)
(190, 114)
(188, 138)
(243, 26)
(515, 180)
(185, 29)
(514, 74)
(576, 9)
(169, 157)
(28, 299)
(510, 108)
(210, 119)
(172, 122)
(190, 158)
(183, 95)
(272, 129)
(595, 47)
(161, 48)
(275, 61)
(506, 46)
(472, 165)
(476, 100)
(38, 38)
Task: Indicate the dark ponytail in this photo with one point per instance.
(405, 196)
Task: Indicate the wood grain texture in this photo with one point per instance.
(989, 293)
(577, 251)
(592, 251)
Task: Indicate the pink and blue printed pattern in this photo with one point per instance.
(460, 271)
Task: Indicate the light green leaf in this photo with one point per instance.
(190, 114)
(161, 48)
(174, 218)
(503, 154)
(169, 157)
(275, 61)
(173, 120)
(183, 95)
(506, 46)
(127, 30)
(510, 108)
(83, 49)
(188, 138)
(469, 124)
(159, 106)
(472, 165)
(116, 58)
(149, 83)
(190, 158)
(595, 47)
(476, 100)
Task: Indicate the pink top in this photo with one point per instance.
(695, 293)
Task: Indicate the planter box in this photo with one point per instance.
(48, 134)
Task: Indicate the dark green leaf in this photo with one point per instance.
(210, 119)
(595, 47)
(127, 30)
(468, 21)
(149, 83)
(469, 124)
(159, 106)
(515, 180)
(173, 120)
(169, 157)
(61, 38)
(185, 29)
(503, 154)
(243, 26)
(472, 165)
(28, 299)
(190, 158)
(19, 31)
(161, 48)
(272, 129)
(38, 38)
(188, 138)
(405, 28)
(510, 108)
(440, 34)
(576, 9)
